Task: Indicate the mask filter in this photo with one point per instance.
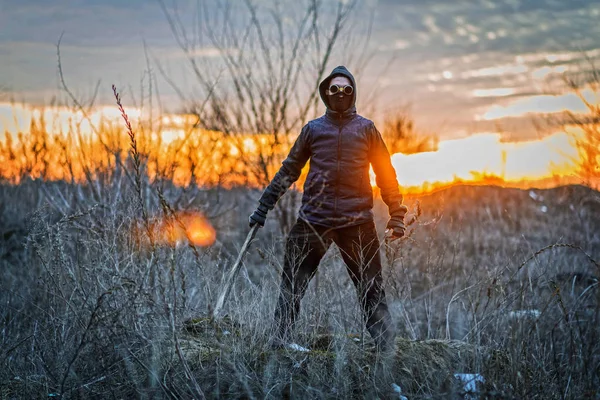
(340, 102)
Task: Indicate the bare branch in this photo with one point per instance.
(85, 114)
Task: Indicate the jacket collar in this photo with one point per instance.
(339, 117)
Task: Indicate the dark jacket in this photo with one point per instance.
(340, 146)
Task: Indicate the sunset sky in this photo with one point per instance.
(464, 67)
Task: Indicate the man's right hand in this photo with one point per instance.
(396, 228)
(259, 216)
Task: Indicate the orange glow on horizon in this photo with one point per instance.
(484, 156)
(178, 151)
(16, 118)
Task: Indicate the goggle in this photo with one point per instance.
(335, 89)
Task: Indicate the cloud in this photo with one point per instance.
(541, 104)
(494, 92)
(455, 58)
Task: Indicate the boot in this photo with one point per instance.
(381, 330)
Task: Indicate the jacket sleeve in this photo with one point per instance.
(385, 175)
(289, 172)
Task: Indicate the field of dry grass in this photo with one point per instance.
(492, 281)
(99, 301)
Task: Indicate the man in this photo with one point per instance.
(336, 207)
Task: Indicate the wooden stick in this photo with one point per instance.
(234, 271)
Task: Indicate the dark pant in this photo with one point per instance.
(359, 245)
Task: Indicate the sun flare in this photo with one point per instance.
(185, 227)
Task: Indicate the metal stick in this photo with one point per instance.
(234, 271)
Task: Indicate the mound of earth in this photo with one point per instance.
(417, 367)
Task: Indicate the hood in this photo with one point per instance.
(324, 85)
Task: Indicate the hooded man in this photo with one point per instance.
(336, 207)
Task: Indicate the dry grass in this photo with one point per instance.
(500, 282)
(487, 283)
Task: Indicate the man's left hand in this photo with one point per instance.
(396, 227)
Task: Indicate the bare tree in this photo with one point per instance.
(261, 83)
(401, 136)
(586, 135)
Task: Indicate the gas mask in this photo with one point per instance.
(340, 102)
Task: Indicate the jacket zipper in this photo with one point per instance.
(337, 186)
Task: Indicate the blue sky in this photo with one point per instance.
(461, 65)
